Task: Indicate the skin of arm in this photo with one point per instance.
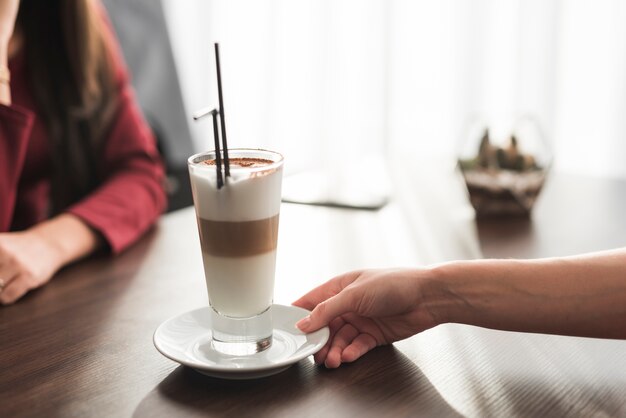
(30, 258)
(8, 13)
(5, 89)
(579, 296)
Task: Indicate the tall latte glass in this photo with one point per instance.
(238, 226)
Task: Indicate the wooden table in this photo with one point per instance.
(82, 345)
(573, 215)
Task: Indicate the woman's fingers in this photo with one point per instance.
(320, 356)
(329, 302)
(325, 291)
(8, 274)
(359, 346)
(343, 302)
(335, 325)
(311, 299)
(342, 339)
(14, 290)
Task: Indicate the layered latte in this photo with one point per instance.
(238, 227)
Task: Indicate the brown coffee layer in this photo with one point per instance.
(238, 239)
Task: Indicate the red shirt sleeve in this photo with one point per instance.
(132, 195)
(15, 127)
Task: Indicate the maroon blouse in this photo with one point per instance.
(125, 204)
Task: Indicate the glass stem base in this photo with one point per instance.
(242, 336)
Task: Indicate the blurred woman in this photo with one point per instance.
(79, 169)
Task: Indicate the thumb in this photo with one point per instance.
(325, 312)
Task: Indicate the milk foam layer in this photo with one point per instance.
(240, 283)
(240, 287)
(248, 195)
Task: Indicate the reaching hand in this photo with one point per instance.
(27, 261)
(365, 309)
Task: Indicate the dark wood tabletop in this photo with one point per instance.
(574, 214)
(82, 345)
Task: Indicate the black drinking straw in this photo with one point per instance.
(216, 135)
(218, 156)
(221, 111)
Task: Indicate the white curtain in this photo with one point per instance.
(322, 80)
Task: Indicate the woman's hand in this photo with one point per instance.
(365, 309)
(8, 14)
(27, 260)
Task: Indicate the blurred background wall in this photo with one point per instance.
(322, 80)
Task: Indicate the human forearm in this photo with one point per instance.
(582, 295)
(8, 13)
(5, 86)
(28, 259)
(68, 238)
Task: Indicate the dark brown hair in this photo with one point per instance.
(72, 79)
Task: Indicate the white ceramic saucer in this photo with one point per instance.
(186, 339)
